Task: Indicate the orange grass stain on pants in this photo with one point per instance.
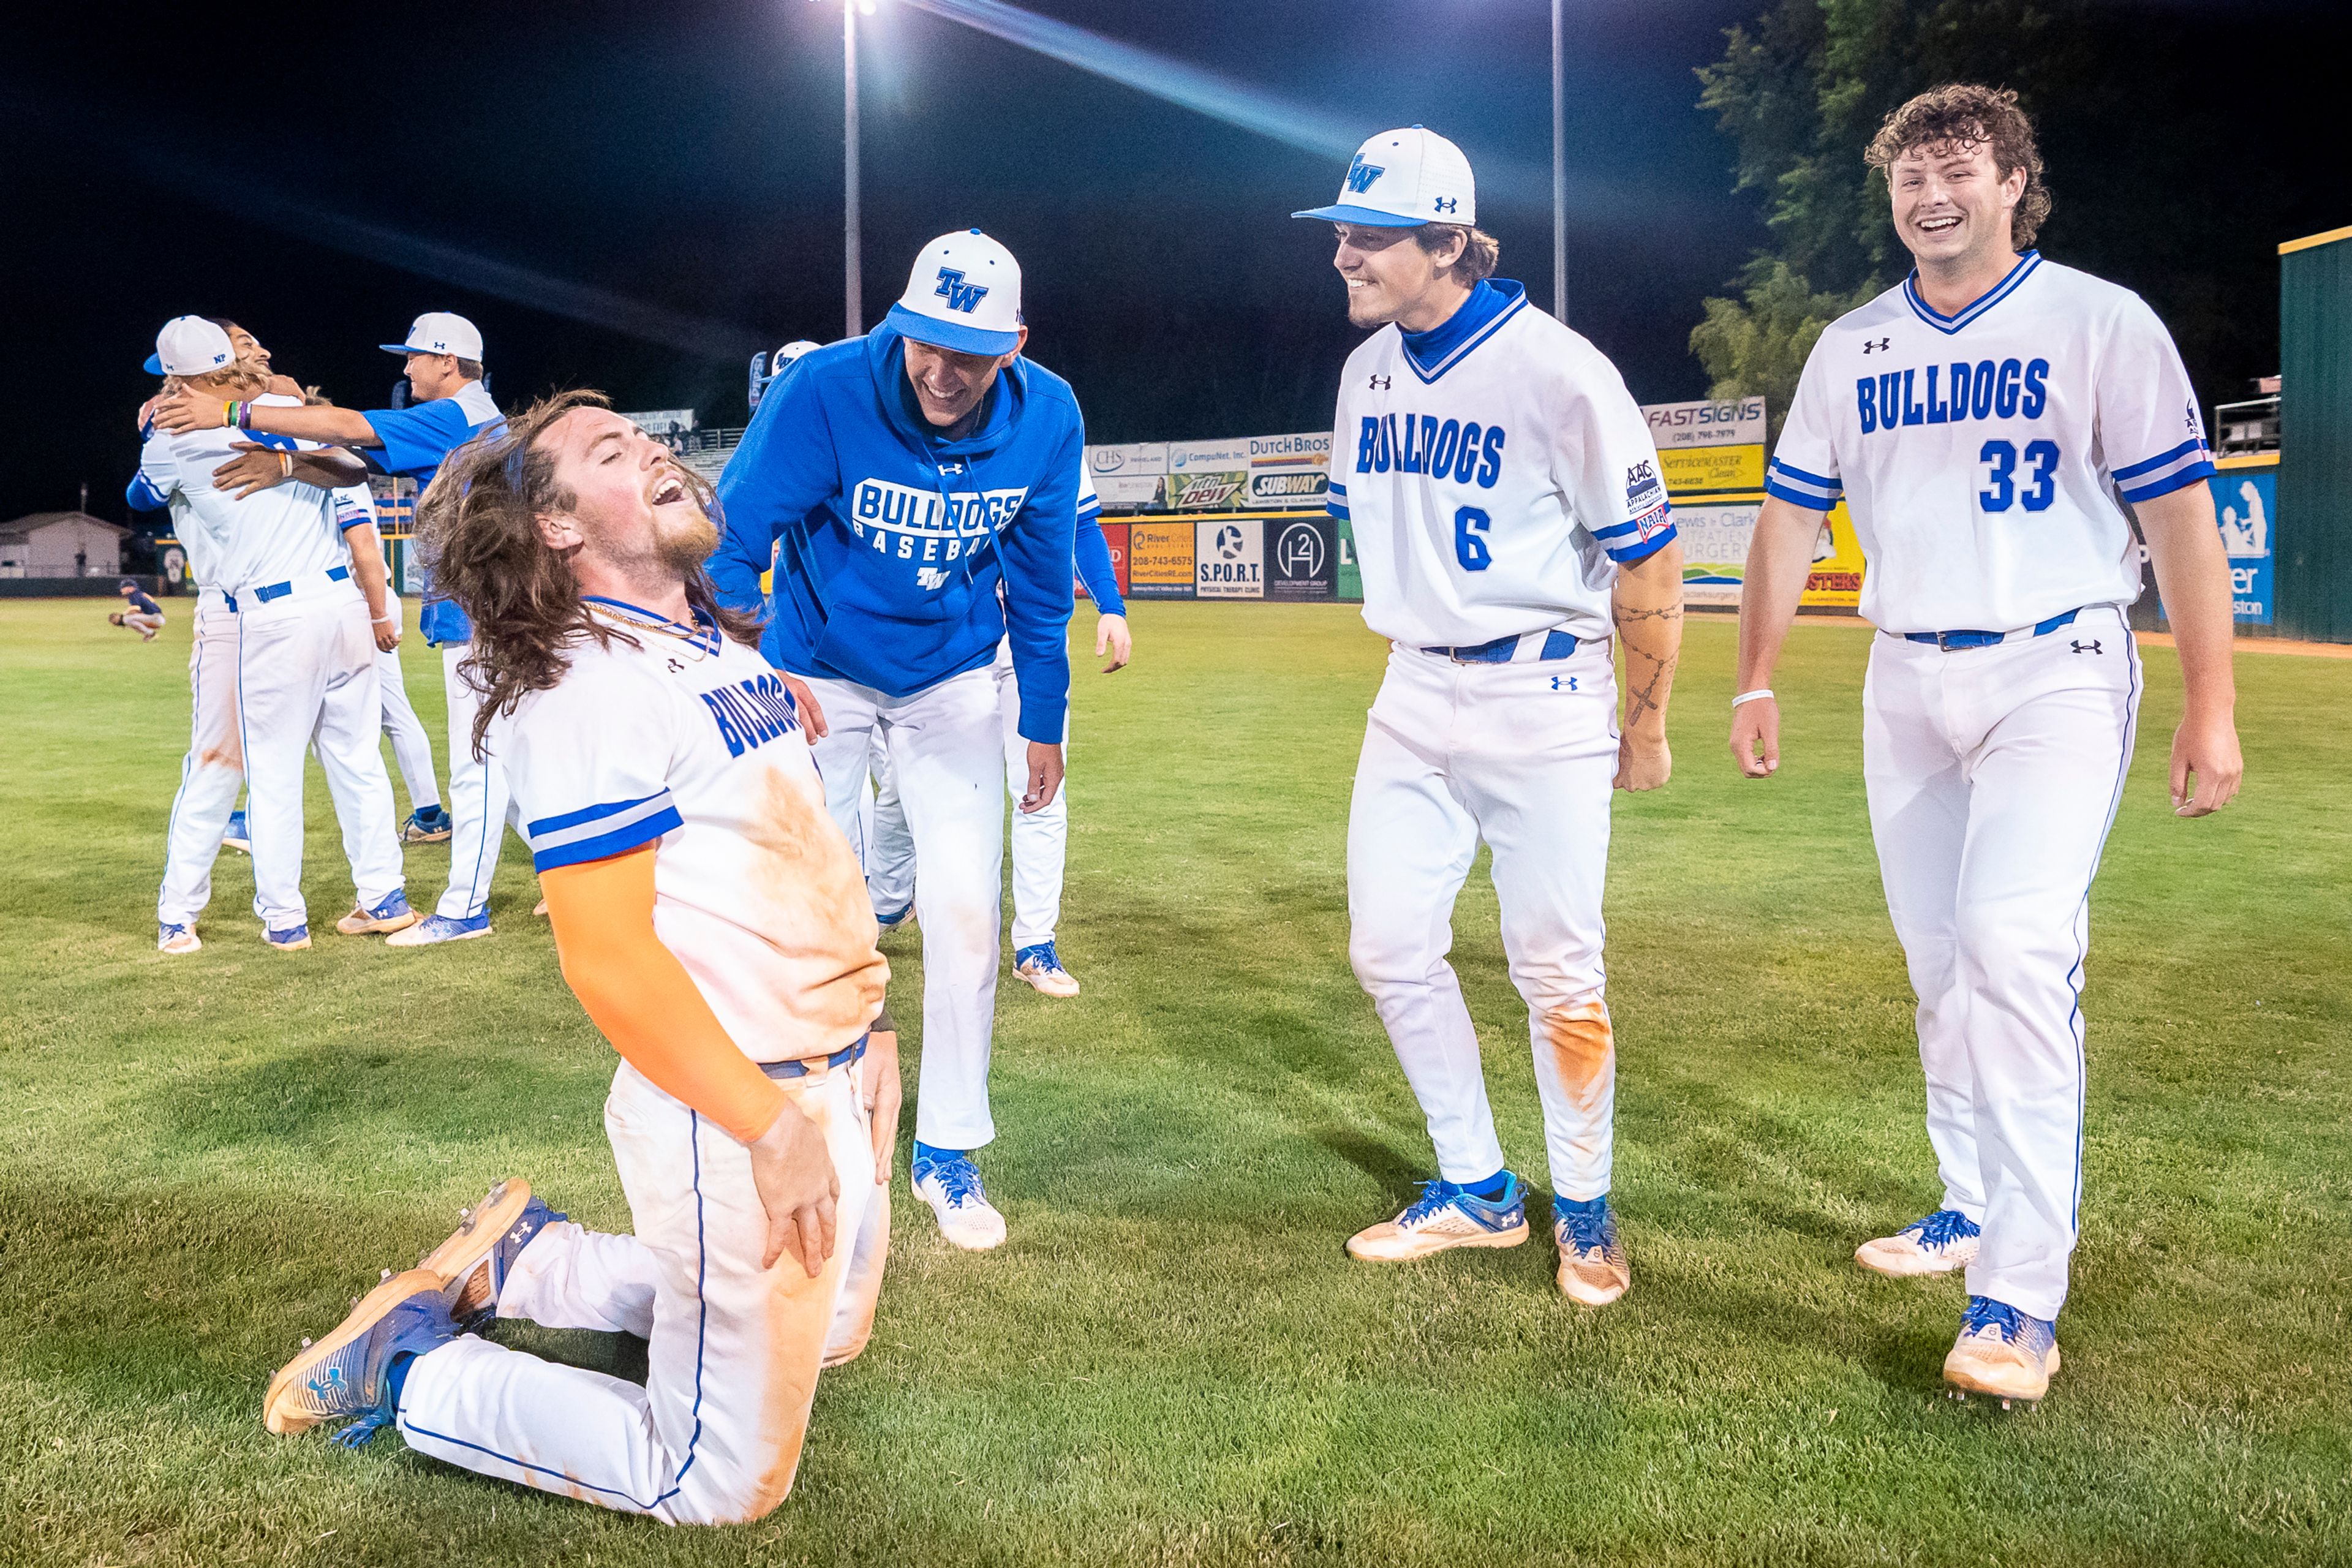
(1583, 1050)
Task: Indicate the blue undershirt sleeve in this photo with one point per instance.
(1095, 568)
(1038, 549)
(419, 439)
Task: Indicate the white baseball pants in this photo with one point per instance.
(412, 746)
(212, 773)
(1994, 775)
(479, 800)
(1522, 756)
(1040, 839)
(715, 1435)
(946, 749)
(306, 676)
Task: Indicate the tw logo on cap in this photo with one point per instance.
(1361, 175)
(959, 294)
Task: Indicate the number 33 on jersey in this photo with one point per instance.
(1980, 454)
(1495, 471)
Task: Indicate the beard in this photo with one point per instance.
(687, 545)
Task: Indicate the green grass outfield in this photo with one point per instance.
(202, 1158)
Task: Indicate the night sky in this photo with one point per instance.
(634, 198)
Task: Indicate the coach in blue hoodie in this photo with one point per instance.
(917, 490)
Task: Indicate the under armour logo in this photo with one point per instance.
(1873, 346)
(929, 579)
(959, 294)
(1379, 384)
(1447, 204)
(675, 667)
(2090, 646)
(1556, 685)
(333, 1387)
(1361, 175)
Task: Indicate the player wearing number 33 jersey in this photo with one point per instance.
(1506, 506)
(1987, 422)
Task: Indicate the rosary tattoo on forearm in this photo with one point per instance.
(1643, 700)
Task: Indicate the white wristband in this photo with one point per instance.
(1759, 695)
(381, 620)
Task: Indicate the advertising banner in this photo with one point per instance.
(1348, 577)
(1714, 538)
(1738, 422)
(1701, 468)
(1114, 535)
(1160, 560)
(1229, 558)
(2245, 503)
(1207, 476)
(1301, 558)
(1289, 472)
(1131, 475)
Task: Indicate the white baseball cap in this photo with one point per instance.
(791, 351)
(1402, 179)
(964, 294)
(189, 345)
(440, 333)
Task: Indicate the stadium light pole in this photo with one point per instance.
(852, 283)
(1558, 171)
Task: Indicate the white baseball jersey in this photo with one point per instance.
(689, 742)
(288, 531)
(1980, 455)
(1495, 471)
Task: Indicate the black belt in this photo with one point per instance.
(841, 1057)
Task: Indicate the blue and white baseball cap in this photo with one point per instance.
(440, 333)
(964, 294)
(189, 345)
(1402, 179)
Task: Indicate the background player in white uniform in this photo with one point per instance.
(1980, 420)
(443, 353)
(714, 923)
(1506, 506)
(1040, 839)
(304, 669)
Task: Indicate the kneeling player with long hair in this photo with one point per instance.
(713, 923)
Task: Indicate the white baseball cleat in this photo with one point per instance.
(1592, 1266)
(949, 1182)
(173, 937)
(1041, 966)
(439, 928)
(1940, 1243)
(1443, 1217)
(2001, 1351)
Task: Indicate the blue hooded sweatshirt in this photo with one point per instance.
(890, 542)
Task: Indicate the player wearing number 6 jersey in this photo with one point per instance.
(1981, 421)
(1506, 506)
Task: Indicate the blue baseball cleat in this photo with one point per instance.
(2001, 1351)
(474, 1263)
(392, 914)
(173, 937)
(947, 1181)
(440, 927)
(1042, 966)
(1445, 1217)
(427, 825)
(1592, 1266)
(293, 938)
(354, 1371)
(235, 836)
(1939, 1243)
(895, 919)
